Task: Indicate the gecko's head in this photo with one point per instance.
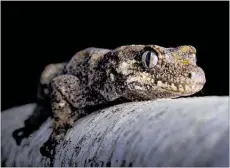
(152, 71)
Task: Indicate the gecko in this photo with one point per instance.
(98, 76)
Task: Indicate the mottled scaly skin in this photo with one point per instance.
(98, 76)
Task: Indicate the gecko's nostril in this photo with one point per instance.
(197, 77)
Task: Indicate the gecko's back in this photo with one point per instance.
(82, 64)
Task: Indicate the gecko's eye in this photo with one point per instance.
(149, 59)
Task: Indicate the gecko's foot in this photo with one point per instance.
(48, 149)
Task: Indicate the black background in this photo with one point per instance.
(35, 34)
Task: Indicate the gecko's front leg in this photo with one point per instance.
(67, 101)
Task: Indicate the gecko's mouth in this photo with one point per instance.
(182, 89)
(184, 85)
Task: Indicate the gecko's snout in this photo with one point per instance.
(196, 81)
(197, 77)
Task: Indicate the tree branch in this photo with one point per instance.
(177, 132)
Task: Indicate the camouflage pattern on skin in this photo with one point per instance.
(175, 74)
(97, 76)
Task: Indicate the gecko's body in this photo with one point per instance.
(97, 76)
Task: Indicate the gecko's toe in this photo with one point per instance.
(48, 149)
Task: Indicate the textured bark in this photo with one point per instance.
(177, 132)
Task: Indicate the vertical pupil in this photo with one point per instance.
(148, 57)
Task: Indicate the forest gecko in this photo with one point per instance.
(96, 76)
